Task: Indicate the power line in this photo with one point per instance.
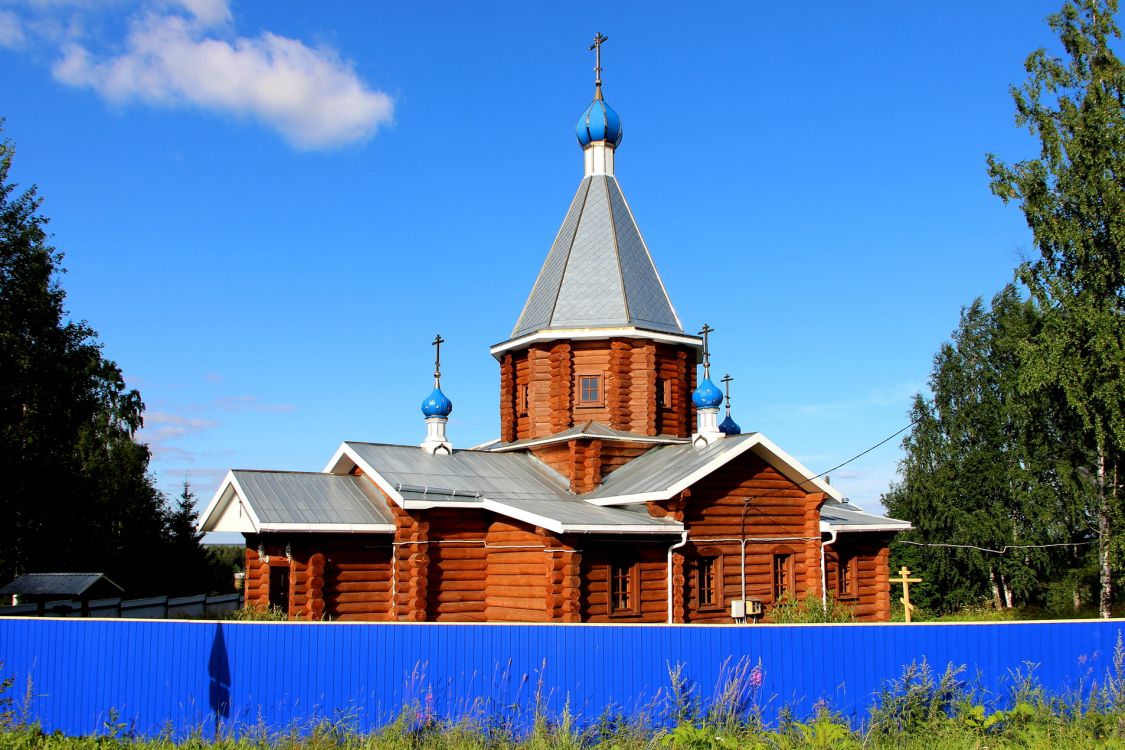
(1000, 551)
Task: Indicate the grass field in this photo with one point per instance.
(920, 710)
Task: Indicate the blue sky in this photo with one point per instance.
(268, 209)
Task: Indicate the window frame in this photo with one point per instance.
(847, 576)
(583, 403)
(523, 399)
(628, 567)
(784, 575)
(713, 587)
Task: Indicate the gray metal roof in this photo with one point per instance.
(841, 516)
(468, 472)
(589, 429)
(598, 272)
(292, 497)
(519, 481)
(56, 584)
(663, 466)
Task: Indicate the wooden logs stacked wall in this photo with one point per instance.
(314, 587)
(516, 577)
(631, 370)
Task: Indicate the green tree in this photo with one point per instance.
(983, 471)
(1073, 197)
(76, 493)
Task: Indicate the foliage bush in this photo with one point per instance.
(810, 609)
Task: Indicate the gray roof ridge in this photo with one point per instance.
(648, 253)
(617, 248)
(287, 471)
(569, 248)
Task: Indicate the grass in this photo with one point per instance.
(920, 710)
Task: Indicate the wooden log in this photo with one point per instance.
(498, 613)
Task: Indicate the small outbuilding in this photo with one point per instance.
(40, 588)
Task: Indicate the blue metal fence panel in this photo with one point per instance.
(81, 676)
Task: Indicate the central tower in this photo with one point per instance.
(598, 339)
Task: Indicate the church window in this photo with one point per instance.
(783, 576)
(590, 390)
(708, 582)
(846, 576)
(622, 587)
(522, 399)
(664, 393)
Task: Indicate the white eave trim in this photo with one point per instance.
(672, 528)
(229, 491)
(345, 454)
(532, 443)
(630, 332)
(843, 528)
(341, 528)
(797, 473)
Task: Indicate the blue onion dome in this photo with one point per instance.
(598, 123)
(729, 427)
(707, 395)
(437, 404)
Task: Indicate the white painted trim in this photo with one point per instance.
(344, 528)
(229, 490)
(651, 439)
(639, 529)
(796, 473)
(628, 332)
(892, 525)
(346, 451)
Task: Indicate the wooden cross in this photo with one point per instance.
(599, 40)
(707, 330)
(438, 341)
(905, 579)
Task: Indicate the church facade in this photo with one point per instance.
(613, 494)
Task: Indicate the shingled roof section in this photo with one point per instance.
(599, 273)
(57, 584)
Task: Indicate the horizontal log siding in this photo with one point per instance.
(517, 574)
(630, 369)
(872, 599)
(355, 581)
(651, 579)
(777, 508)
(458, 564)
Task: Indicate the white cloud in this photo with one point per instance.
(11, 30)
(206, 12)
(312, 97)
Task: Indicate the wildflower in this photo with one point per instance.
(756, 677)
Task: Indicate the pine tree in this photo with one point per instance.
(76, 493)
(1073, 197)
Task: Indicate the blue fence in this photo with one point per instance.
(74, 675)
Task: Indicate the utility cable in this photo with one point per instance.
(1001, 551)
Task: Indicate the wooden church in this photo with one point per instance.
(614, 493)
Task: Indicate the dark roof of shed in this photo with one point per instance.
(56, 584)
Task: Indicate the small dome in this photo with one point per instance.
(598, 123)
(707, 395)
(437, 405)
(729, 427)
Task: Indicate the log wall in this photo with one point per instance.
(871, 600)
(631, 371)
(517, 575)
(747, 498)
(651, 579)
